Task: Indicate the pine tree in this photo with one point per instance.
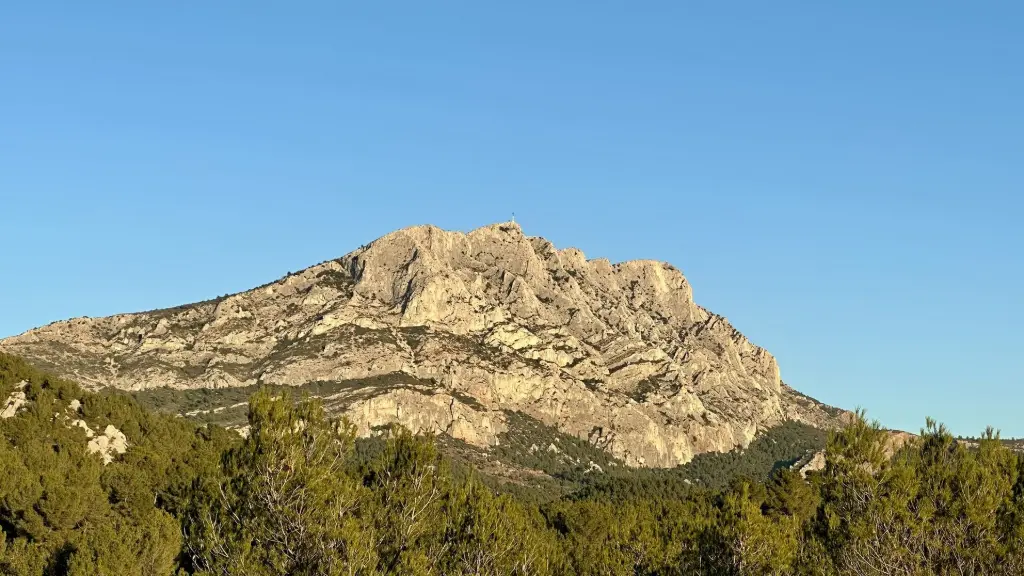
(284, 504)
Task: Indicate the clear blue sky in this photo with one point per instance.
(843, 183)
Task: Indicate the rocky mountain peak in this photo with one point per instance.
(449, 331)
(449, 278)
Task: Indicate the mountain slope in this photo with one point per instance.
(451, 332)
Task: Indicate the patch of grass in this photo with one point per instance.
(373, 336)
(193, 371)
(474, 348)
(337, 279)
(175, 401)
(229, 416)
(644, 388)
(286, 349)
(145, 362)
(161, 313)
(808, 402)
(467, 400)
(415, 336)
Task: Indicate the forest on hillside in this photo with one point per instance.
(300, 495)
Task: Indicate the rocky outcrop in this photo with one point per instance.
(812, 463)
(108, 444)
(15, 402)
(445, 331)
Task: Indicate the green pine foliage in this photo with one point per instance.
(63, 512)
(532, 444)
(300, 495)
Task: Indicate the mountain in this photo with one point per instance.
(471, 334)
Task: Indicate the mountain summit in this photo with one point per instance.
(457, 333)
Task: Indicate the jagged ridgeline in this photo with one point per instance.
(454, 333)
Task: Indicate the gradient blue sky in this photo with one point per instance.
(842, 182)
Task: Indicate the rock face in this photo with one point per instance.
(445, 331)
(15, 402)
(108, 445)
(813, 463)
(111, 443)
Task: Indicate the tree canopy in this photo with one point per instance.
(300, 495)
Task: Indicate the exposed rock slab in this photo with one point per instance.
(448, 330)
(15, 402)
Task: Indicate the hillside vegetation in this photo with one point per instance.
(532, 459)
(300, 495)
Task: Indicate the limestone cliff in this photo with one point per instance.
(446, 331)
